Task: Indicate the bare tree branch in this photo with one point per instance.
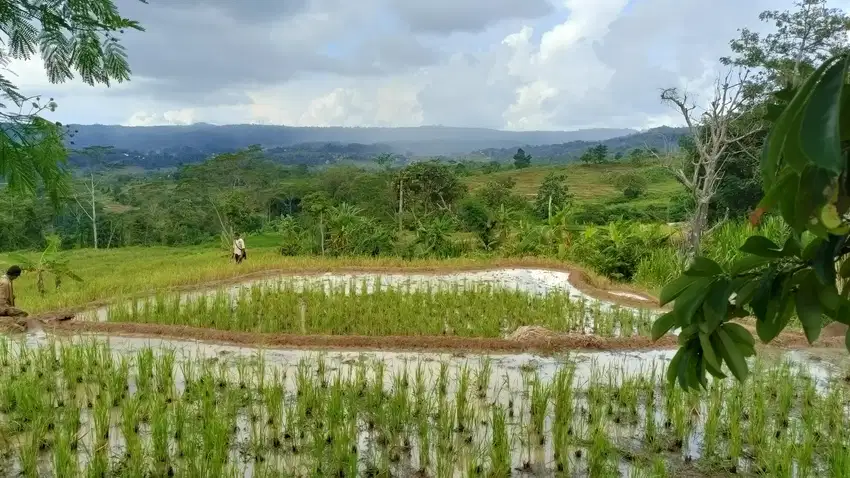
(714, 131)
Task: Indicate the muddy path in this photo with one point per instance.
(544, 344)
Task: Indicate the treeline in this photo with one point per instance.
(663, 139)
(416, 210)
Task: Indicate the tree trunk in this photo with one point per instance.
(322, 230)
(93, 212)
(550, 207)
(698, 223)
(400, 205)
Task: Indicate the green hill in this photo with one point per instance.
(587, 182)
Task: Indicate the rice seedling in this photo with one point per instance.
(475, 310)
(319, 416)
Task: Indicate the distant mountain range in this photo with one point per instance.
(420, 141)
(156, 147)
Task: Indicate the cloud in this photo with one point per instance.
(511, 64)
(448, 16)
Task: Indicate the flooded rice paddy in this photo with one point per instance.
(130, 406)
(142, 407)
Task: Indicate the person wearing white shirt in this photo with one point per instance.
(239, 253)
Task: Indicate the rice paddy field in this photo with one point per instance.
(96, 397)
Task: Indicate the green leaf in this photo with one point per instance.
(704, 267)
(775, 142)
(689, 302)
(708, 352)
(675, 288)
(739, 334)
(792, 247)
(829, 298)
(662, 325)
(717, 372)
(812, 248)
(823, 263)
(779, 189)
(673, 368)
(745, 291)
(732, 356)
(717, 303)
(820, 134)
(748, 263)
(845, 113)
(788, 203)
(811, 196)
(809, 309)
(762, 295)
(777, 310)
(762, 247)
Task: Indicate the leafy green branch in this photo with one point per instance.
(804, 169)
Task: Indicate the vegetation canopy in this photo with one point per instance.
(70, 36)
(804, 170)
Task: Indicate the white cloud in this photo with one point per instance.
(585, 63)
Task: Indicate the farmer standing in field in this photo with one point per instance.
(239, 253)
(7, 294)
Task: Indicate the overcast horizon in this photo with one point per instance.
(500, 64)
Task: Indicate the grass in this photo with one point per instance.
(81, 410)
(587, 182)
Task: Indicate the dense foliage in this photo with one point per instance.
(70, 37)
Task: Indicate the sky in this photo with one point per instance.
(502, 64)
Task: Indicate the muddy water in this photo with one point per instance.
(531, 281)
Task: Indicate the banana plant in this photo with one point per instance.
(51, 262)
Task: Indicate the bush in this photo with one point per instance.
(616, 250)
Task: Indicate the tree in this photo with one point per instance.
(802, 39)
(805, 175)
(71, 37)
(95, 155)
(553, 195)
(499, 192)
(714, 133)
(595, 155)
(522, 159)
(632, 185)
(317, 204)
(600, 152)
(429, 186)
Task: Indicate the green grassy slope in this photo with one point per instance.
(588, 182)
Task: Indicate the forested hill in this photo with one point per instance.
(155, 148)
(662, 139)
(421, 141)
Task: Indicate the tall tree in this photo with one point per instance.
(803, 38)
(552, 196)
(70, 36)
(714, 132)
(95, 155)
(522, 159)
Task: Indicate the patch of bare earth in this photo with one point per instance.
(525, 339)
